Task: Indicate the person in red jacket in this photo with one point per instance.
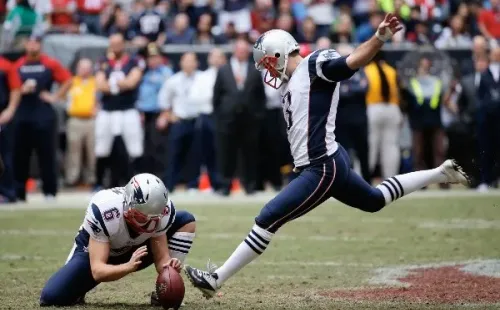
(36, 121)
(10, 94)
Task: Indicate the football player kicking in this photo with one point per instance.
(310, 94)
(124, 230)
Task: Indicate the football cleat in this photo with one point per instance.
(455, 173)
(205, 281)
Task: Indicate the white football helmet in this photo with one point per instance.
(270, 52)
(146, 202)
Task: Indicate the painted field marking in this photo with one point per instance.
(80, 200)
(212, 236)
(460, 224)
(390, 275)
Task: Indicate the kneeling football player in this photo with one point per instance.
(125, 229)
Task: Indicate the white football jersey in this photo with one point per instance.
(310, 103)
(104, 222)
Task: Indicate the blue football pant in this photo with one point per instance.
(317, 183)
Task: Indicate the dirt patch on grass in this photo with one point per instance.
(443, 284)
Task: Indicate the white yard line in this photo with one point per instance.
(212, 236)
(460, 224)
(79, 200)
(17, 257)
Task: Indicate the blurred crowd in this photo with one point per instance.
(445, 23)
(130, 112)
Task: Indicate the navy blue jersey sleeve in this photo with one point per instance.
(332, 67)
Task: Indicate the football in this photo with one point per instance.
(170, 288)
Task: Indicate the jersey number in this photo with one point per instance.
(287, 101)
(111, 214)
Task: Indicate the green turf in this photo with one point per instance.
(330, 248)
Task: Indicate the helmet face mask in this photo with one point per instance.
(272, 76)
(142, 223)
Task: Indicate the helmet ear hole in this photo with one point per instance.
(277, 55)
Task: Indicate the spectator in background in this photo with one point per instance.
(108, 16)
(424, 112)
(41, 7)
(454, 35)
(135, 7)
(3, 10)
(489, 122)
(89, 14)
(262, 18)
(80, 128)
(463, 134)
(204, 33)
(422, 35)
(236, 12)
(180, 112)
(361, 10)
(398, 7)
(384, 116)
(343, 30)
(36, 122)
(271, 143)
(479, 46)
(307, 32)
(469, 100)
(284, 7)
(62, 16)
(323, 43)
(351, 126)
(367, 30)
(474, 8)
(479, 49)
(239, 103)
(148, 104)
(203, 92)
(489, 21)
(149, 26)
(121, 25)
(322, 13)
(285, 22)
(181, 32)
(118, 128)
(20, 23)
(10, 95)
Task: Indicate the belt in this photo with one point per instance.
(315, 162)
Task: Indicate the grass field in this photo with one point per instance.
(332, 248)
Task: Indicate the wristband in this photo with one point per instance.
(384, 37)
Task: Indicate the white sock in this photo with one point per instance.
(255, 244)
(179, 245)
(400, 185)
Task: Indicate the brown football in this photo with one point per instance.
(170, 288)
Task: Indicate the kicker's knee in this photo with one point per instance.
(189, 227)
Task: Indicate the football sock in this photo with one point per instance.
(255, 244)
(400, 185)
(179, 245)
